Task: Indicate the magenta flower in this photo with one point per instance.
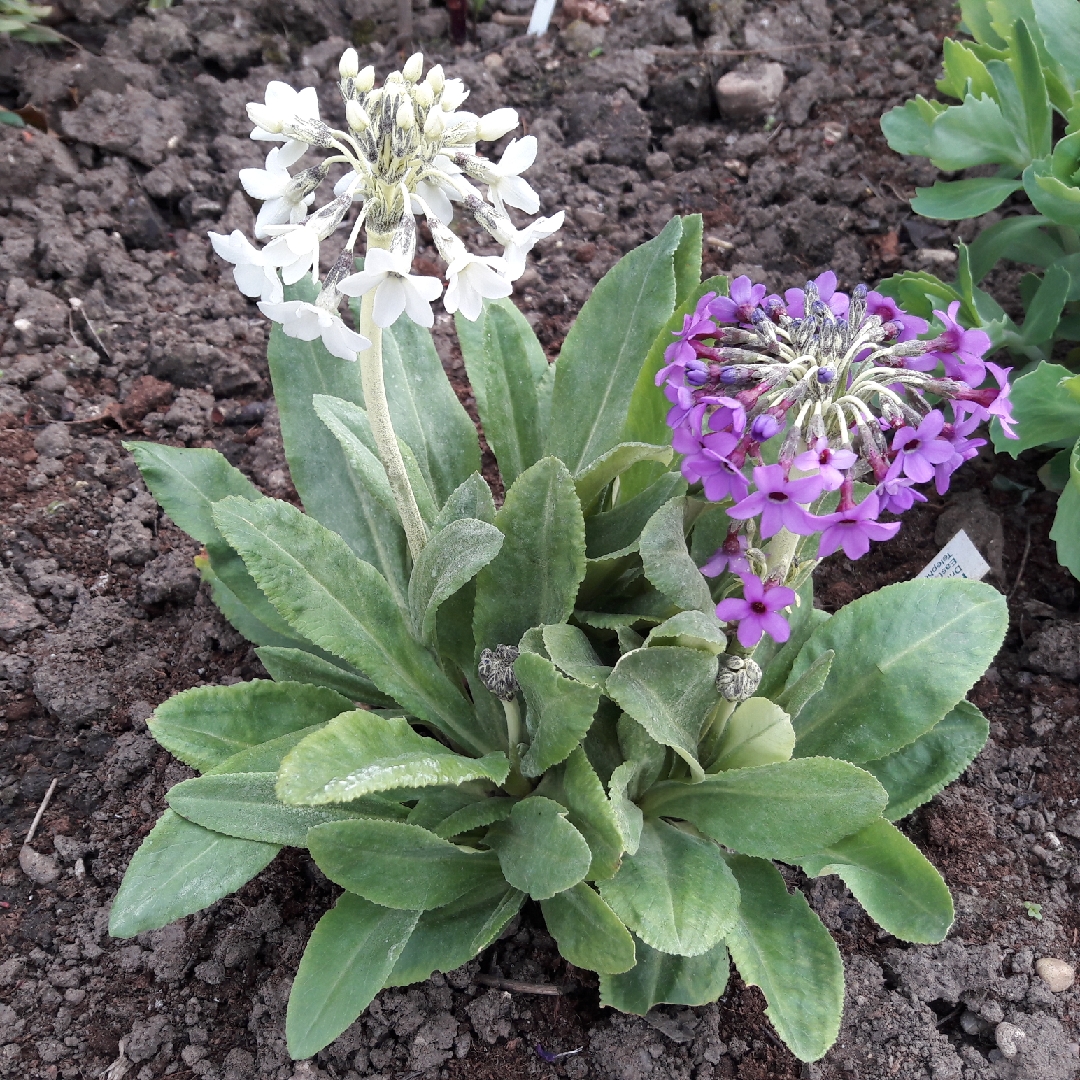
(681, 352)
(896, 492)
(889, 311)
(960, 350)
(829, 462)
(1001, 406)
(836, 302)
(757, 612)
(777, 500)
(728, 414)
(854, 527)
(731, 555)
(721, 477)
(921, 449)
(739, 306)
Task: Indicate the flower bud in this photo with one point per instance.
(365, 80)
(434, 125)
(263, 117)
(737, 677)
(496, 671)
(406, 118)
(764, 427)
(436, 79)
(356, 115)
(423, 95)
(413, 68)
(496, 124)
(395, 78)
(349, 64)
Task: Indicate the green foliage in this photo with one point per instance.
(21, 20)
(618, 788)
(1019, 71)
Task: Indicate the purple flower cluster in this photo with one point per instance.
(857, 391)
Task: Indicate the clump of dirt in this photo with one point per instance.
(102, 615)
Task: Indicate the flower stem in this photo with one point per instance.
(382, 429)
(516, 784)
(780, 552)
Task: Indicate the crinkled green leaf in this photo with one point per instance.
(588, 933)
(661, 979)
(758, 732)
(560, 712)
(974, 133)
(295, 665)
(619, 529)
(692, 630)
(1066, 530)
(592, 480)
(1044, 412)
(810, 682)
(628, 817)
(472, 499)
(476, 815)
(572, 651)
(667, 561)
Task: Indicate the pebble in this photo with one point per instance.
(1008, 1038)
(750, 93)
(40, 869)
(1057, 974)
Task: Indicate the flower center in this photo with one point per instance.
(758, 607)
(778, 496)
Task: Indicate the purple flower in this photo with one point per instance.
(727, 415)
(836, 302)
(960, 350)
(720, 476)
(963, 448)
(739, 307)
(854, 527)
(896, 492)
(731, 555)
(680, 352)
(757, 611)
(828, 461)
(777, 500)
(889, 311)
(1001, 406)
(920, 448)
(764, 427)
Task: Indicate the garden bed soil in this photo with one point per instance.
(102, 616)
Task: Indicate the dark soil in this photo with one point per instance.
(102, 616)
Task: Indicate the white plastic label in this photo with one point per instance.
(541, 16)
(958, 558)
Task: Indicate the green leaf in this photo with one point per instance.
(425, 410)
(907, 128)
(331, 491)
(187, 482)
(668, 691)
(961, 64)
(476, 815)
(265, 757)
(453, 556)
(471, 500)
(660, 979)
(345, 606)
(560, 712)
(295, 665)
(1051, 196)
(978, 18)
(675, 892)
(915, 773)
(1021, 239)
(667, 561)
(911, 652)
(539, 851)
(891, 878)
(628, 816)
(963, 198)
(605, 349)
(179, 869)
(398, 865)
(1059, 21)
(1066, 529)
(534, 578)
(575, 785)
(449, 936)
(780, 945)
(688, 257)
(239, 615)
(691, 629)
(974, 133)
(244, 805)
(588, 933)
(349, 955)
(618, 529)
(776, 661)
(780, 811)
(591, 481)
(1044, 413)
(360, 753)
(572, 651)
(1027, 70)
(1044, 311)
(207, 724)
(504, 362)
(758, 732)
(646, 417)
(809, 683)
(351, 426)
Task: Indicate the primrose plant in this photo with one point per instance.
(472, 707)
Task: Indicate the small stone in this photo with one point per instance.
(659, 165)
(752, 92)
(1008, 1038)
(40, 869)
(1057, 974)
(580, 37)
(1055, 650)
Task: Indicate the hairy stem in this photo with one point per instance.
(779, 553)
(382, 429)
(516, 784)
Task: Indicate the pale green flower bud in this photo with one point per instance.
(356, 115)
(436, 79)
(413, 68)
(395, 78)
(423, 95)
(434, 125)
(349, 64)
(365, 80)
(406, 118)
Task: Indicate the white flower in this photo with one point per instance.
(307, 322)
(396, 290)
(283, 105)
(505, 185)
(495, 125)
(523, 241)
(254, 276)
(471, 279)
(283, 200)
(296, 251)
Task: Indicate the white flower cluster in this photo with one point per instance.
(410, 150)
